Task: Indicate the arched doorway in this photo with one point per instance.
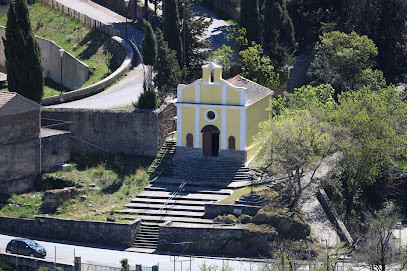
(210, 142)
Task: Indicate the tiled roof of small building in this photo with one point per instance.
(11, 102)
(255, 92)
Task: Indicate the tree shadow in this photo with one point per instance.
(94, 40)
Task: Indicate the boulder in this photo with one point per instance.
(53, 198)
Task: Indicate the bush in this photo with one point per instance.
(147, 100)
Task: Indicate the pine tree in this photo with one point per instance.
(167, 70)
(194, 27)
(149, 45)
(172, 33)
(250, 19)
(278, 29)
(25, 73)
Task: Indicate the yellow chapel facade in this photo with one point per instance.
(217, 117)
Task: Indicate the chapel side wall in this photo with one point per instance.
(256, 113)
(188, 123)
(233, 126)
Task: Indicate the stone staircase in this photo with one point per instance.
(182, 197)
(147, 237)
(163, 162)
(251, 199)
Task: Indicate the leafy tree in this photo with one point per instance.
(171, 28)
(149, 45)
(278, 29)
(340, 60)
(25, 73)
(294, 143)
(167, 70)
(376, 123)
(250, 19)
(384, 21)
(223, 56)
(258, 68)
(147, 100)
(194, 26)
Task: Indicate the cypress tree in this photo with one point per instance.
(149, 45)
(278, 28)
(172, 33)
(250, 19)
(25, 73)
(167, 70)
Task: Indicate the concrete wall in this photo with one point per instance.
(99, 86)
(19, 151)
(93, 232)
(28, 263)
(75, 72)
(55, 149)
(133, 133)
(212, 210)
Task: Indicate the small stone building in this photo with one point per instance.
(25, 149)
(219, 118)
(20, 160)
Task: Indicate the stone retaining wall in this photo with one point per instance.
(212, 210)
(205, 239)
(93, 232)
(99, 86)
(183, 153)
(75, 72)
(334, 217)
(28, 263)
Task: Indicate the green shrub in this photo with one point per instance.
(147, 100)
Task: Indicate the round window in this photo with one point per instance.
(210, 115)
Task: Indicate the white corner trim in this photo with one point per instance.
(197, 132)
(197, 93)
(243, 98)
(206, 117)
(243, 129)
(224, 129)
(179, 126)
(224, 93)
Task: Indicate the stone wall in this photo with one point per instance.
(334, 217)
(207, 240)
(101, 85)
(134, 10)
(28, 263)
(166, 123)
(92, 232)
(298, 74)
(19, 151)
(55, 148)
(132, 133)
(183, 153)
(212, 210)
(75, 72)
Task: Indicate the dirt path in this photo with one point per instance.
(312, 210)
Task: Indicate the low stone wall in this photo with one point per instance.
(28, 263)
(183, 153)
(208, 240)
(334, 217)
(212, 210)
(75, 72)
(99, 86)
(92, 232)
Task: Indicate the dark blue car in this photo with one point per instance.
(26, 247)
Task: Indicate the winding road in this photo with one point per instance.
(128, 89)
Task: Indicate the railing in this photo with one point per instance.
(171, 198)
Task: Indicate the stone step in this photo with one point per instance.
(171, 202)
(167, 213)
(168, 207)
(201, 183)
(187, 189)
(184, 196)
(174, 219)
(141, 237)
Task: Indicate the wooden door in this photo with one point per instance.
(207, 144)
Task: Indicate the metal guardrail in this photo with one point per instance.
(171, 198)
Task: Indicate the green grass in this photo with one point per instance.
(80, 40)
(118, 179)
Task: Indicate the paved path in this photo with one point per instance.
(314, 214)
(128, 89)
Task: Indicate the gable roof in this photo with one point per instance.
(255, 92)
(12, 103)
